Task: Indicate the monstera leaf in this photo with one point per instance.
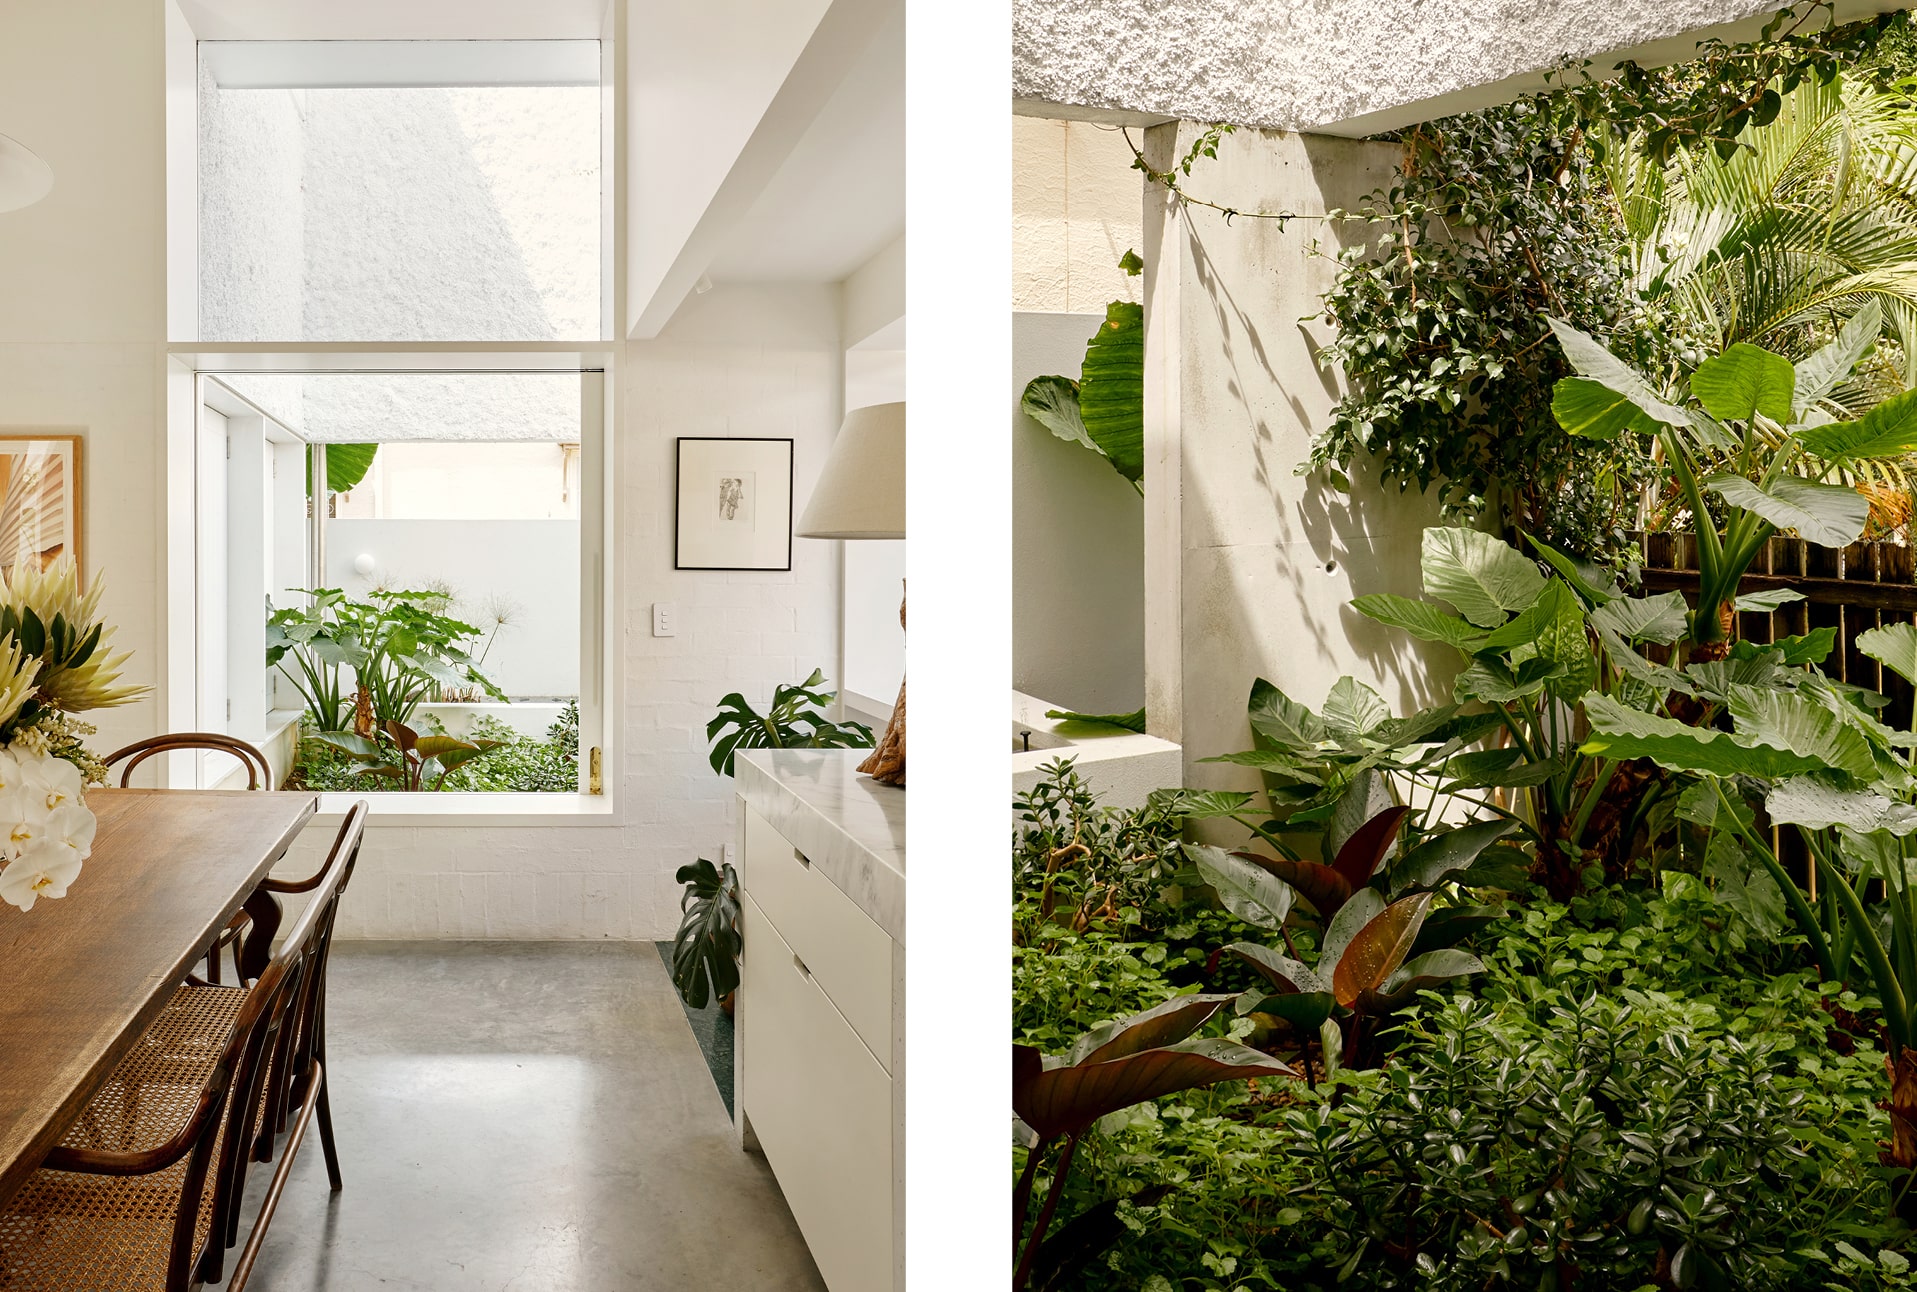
(1128, 1061)
(705, 950)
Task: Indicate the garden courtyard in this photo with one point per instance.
(1480, 851)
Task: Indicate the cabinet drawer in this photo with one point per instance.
(821, 1107)
(849, 954)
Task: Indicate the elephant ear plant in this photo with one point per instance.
(1755, 443)
(1813, 754)
(1060, 1097)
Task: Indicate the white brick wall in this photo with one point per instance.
(763, 361)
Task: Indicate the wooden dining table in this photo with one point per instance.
(81, 978)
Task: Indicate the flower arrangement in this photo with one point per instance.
(54, 662)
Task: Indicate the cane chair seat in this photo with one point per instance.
(80, 1232)
(152, 1093)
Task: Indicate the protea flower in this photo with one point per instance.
(50, 616)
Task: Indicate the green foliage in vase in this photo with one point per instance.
(794, 720)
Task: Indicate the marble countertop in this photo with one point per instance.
(850, 827)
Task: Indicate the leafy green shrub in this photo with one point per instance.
(517, 763)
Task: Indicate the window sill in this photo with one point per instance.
(455, 810)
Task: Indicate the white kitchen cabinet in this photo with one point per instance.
(820, 1036)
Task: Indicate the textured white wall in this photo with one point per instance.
(1250, 569)
(1076, 209)
(414, 214)
(1359, 66)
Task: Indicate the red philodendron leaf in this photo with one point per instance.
(1379, 948)
(1162, 1024)
(1319, 884)
(1365, 850)
(1067, 1100)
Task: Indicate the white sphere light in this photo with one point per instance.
(24, 178)
(363, 564)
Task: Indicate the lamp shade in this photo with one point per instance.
(24, 178)
(861, 492)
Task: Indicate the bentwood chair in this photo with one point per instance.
(144, 1195)
(259, 776)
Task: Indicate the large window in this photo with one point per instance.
(386, 233)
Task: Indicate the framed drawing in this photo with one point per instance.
(735, 505)
(40, 493)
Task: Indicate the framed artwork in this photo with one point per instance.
(735, 505)
(40, 493)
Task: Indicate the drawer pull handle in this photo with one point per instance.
(801, 858)
(800, 966)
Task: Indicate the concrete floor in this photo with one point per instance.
(525, 1116)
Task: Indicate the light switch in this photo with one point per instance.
(665, 619)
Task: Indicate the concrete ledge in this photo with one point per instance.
(1122, 767)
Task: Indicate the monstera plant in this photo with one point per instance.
(794, 720)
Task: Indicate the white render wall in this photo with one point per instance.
(1250, 569)
(532, 563)
(1353, 67)
(1075, 213)
(325, 216)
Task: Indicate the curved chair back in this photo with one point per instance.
(277, 1069)
(259, 776)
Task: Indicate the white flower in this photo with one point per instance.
(55, 781)
(69, 830)
(45, 871)
(10, 777)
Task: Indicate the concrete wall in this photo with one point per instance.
(534, 564)
(1249, 568)
(1078, 545)
(1359, 67)
(1075, 213)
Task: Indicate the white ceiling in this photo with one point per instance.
(395, 19)
(840, 196)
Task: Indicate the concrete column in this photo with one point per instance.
(1249, 569)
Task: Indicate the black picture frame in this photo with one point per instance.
(714, 550)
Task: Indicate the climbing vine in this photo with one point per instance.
(1497, 218)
